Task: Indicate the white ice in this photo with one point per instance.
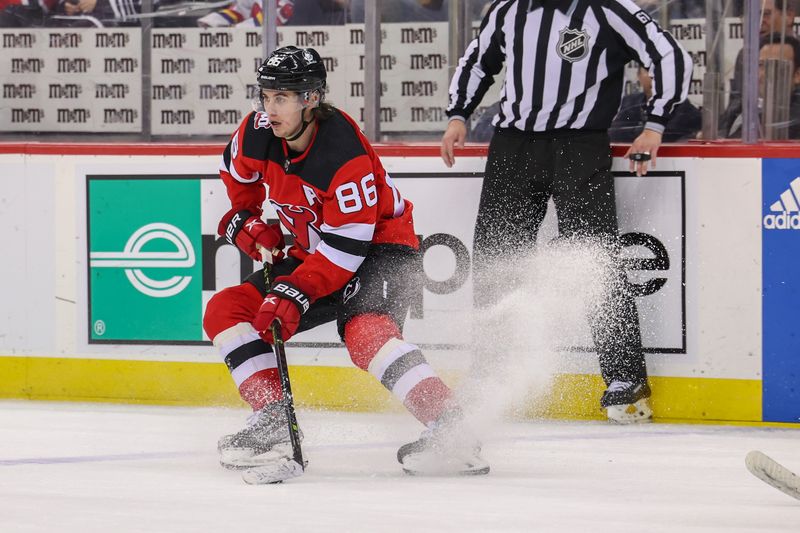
(110, 468)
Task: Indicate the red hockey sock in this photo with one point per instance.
(375, 345)
(428, 399)
(261, 388)
(365, 334)
(250, 359)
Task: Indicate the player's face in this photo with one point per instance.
(285, 111)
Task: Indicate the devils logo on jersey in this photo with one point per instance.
(301, 222)
(351, 289)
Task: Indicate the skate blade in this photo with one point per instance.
(243, 458)
(636, 413)
(271, 474)
(435, 465)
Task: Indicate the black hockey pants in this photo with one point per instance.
(573, 167)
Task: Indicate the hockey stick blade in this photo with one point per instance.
(773, 473)
(275, 473)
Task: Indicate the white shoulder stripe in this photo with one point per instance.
(359, 232)
(232, 170)
(339, 258)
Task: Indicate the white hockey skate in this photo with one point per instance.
(626, 402)
(446, 448)
(263, 443)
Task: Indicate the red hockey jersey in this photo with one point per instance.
(335, 197)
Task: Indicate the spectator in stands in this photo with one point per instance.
(25, 13)
(320, 12)
(245, 13)
(772, 21)
(771, 48)
(414, 10)
(685, 122)
(403, 11)
(290, 12)
(79, 7)
(99, 13)
(772, 17)
(72, 14)
(483, 129)
(683, 9)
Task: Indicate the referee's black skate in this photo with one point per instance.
(446, 448)
(627, 402)
(265, 440)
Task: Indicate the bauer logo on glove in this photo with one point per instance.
(249, 233)
(233, 227)
(284, 303)
(292, 293)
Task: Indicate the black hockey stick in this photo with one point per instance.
(288, 399)
(283, 372)
(296, 466)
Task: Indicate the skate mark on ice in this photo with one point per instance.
(95, 458)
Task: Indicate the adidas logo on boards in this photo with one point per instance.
(785, 213)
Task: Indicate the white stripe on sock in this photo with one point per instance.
(389, 353)
(253, 365)
(411, 379)
(235, 336)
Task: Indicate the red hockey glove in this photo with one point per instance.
(248, 232)
(285, 303)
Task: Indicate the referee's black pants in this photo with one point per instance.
(573, 167)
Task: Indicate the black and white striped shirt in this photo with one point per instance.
(565, 63)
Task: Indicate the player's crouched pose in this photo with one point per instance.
(354, 259)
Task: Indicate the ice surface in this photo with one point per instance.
(100, 468)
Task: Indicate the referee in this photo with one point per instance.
(565, 61)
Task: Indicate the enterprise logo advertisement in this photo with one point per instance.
(781, 289)
(144, 273)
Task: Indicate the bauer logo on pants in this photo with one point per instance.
(144, 274)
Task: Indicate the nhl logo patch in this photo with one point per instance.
(573, 45)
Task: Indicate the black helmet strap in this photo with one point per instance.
(306, 123)
(300, 132)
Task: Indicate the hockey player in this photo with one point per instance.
(354, 259)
